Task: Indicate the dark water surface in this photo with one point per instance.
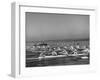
(56, 61)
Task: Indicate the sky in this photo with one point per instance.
(50, 26)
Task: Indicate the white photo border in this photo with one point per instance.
(19, 68)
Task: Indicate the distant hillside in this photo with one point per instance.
(60, 42)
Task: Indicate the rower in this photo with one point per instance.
(54, 53)
(42, 54)
(64, 52)
(77, 46)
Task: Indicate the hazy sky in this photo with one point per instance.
(44, 26)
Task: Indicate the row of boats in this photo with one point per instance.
(46, 51)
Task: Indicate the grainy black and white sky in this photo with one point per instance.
(47, 26)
